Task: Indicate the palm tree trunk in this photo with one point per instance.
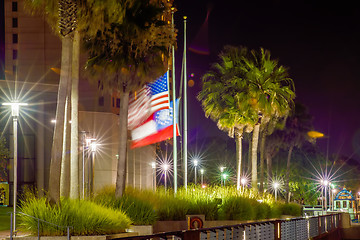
(65, 162)
(123, 136)
(238, 157)
(269, 167)
(249, 156)
(287, 187)
(255, 141)
(262, 153)
(74, 161)
(56, 150)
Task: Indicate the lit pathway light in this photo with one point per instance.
(15, 109)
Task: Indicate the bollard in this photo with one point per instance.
(68, 233)
(11, 226)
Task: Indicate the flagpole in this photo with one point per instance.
(185, 109)
(174, 107)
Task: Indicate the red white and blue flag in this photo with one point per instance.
(158, 127)
(151, 98)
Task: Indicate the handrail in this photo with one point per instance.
(39, 220)
(194, 234)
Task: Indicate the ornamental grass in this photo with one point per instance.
(82, 216)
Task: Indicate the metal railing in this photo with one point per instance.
(38, 225)
(289, 229)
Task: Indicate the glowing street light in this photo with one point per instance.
(196, 163)
(202, 176)
(93, 148)
(325, 183)
(222, 168)
(153, 166)
(165, 167)
(224, 176)
(243, 182)
(276, 186)
(15, 109)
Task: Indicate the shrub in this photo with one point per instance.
(205, 206)
(237, 208)
(172, 208)
(262, 210)
(275, 210)
(84, 217)
(140, 212)
(292, 209)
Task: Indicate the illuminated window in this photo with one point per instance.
(344, 204)
(14, 6)
(15, 38)
(338, 204)
(350, 204)
(14, 22)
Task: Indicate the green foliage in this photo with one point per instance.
(172, 208)
(140, 211)
(126, 55)
(292, 209)
(5, 218)
(237, 208)
(84, 217)
(4, 156)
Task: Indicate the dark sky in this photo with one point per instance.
(318, 41)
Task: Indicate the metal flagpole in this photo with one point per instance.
(185, 109)
(174, 108)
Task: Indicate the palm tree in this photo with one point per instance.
(68, 18)
(271, 90)
(294, 135)
(130, 54)
(225, 99)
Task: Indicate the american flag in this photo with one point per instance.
(151, 98)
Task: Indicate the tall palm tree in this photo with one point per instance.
(295, 135)
(130, 54)
(225, 99)
(272, 92)
(68, 18)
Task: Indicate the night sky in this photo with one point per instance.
(319, 43)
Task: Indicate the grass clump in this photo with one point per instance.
(292, 209)
(84, 217)
(237, 208)
(5, 218)
(140, 212)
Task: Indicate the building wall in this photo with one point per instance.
(32, 64)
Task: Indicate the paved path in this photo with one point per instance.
(6, 234)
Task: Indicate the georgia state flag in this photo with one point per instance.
(158, 127)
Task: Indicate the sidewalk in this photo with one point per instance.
(6, 234)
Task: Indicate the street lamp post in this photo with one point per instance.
(93, 147)
(243, 182)
(221, 175)
(224, 175)
(165, 167)
(196, 162)
(326, 183)
(15, 108)
(202, 176)
(276, 186)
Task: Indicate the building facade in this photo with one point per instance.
(32, 65)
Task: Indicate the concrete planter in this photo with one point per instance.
(100, 237)
(141, 229)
